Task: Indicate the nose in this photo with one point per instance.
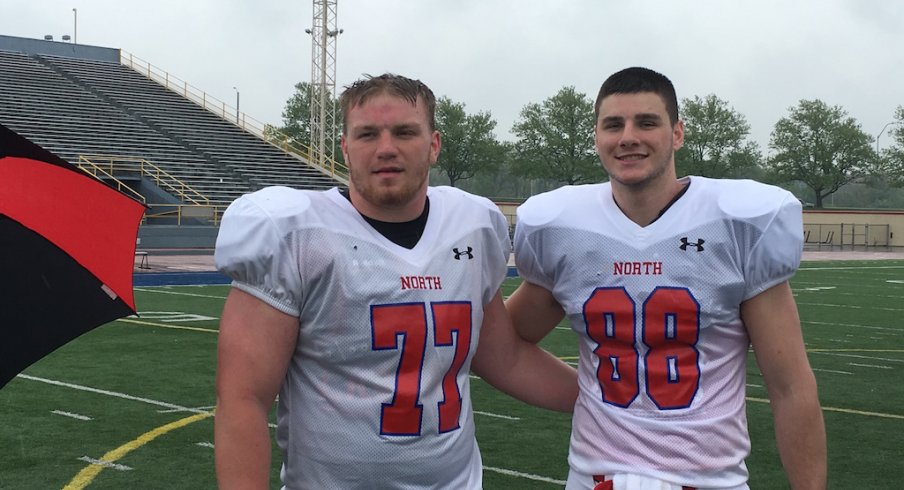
(386, 145)
(628, 135)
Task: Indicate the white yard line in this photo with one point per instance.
(71, 415)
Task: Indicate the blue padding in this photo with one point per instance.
(179, 278)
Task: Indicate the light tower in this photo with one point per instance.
(323, 80)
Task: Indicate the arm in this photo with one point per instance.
(774, 327)
(254, 347)
(520, 368)
(534, 311)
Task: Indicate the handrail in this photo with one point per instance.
(92, 169)
(265, 132)
(211, 212)
(145, 168)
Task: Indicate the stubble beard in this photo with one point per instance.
(390, 197)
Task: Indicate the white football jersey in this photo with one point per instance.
(663, 350)
(377, 393)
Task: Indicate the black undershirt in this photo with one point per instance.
(405, 234)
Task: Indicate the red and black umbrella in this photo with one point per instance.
(67, 252)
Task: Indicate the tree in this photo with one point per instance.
(297, 119)
(891, 160)
(820, 146)
(468, 143)
(555, 140)
(715, 140)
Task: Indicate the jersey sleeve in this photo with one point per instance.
(776, 255)
(527, 244)
(498, 267)
(256, 254)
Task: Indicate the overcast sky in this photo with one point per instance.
(762, 56)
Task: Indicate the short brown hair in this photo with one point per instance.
(361, 90)
(636, 80)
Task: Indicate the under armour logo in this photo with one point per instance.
(699, 244)
(459, 253)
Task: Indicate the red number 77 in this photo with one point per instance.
(403, 415)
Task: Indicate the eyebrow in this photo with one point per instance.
(395, 127)
(643, 116)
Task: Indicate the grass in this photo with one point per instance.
(138, 379)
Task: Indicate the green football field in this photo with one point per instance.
(129, 405)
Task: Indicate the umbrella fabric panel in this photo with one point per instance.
(48, 299)
(95, 224)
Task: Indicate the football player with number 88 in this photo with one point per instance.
(667, 282)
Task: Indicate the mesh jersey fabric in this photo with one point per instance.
(662, 366)
(367, 401)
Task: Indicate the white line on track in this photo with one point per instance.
(856, 356)
(496, 415)
(869, 365)
(105, 464)
(832, 371)
(71, 415)
(852, 307)
(112, 393)
(173, 410)
(854, 325)
(524, 475)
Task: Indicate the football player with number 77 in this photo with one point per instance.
(366, 309)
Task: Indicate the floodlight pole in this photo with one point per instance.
(74, 26)
(323, 79)
(236, 106)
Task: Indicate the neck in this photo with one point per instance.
(644, 205)
(390, 213)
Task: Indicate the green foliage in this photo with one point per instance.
(297, 118)
(715, 141)
(891, 160)
(555, 140)
(822, 147)
(468, 143)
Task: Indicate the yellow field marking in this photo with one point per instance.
(163, 325)
(842, 410)
(90, 472)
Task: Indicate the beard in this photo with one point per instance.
(399, 194)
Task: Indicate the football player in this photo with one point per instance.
(667, 282)
(365, 311)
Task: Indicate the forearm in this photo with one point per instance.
(537, 378)
(242, 445)
(801, 438)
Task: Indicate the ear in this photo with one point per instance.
(678, 135)
(343, 146)
(435, 145)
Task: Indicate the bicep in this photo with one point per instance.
(254, 347)
(534, 311)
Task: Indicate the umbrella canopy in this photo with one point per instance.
(67, 250)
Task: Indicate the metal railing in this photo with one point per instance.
(265, 132)
(111, 164)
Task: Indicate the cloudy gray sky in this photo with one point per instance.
(762, 56)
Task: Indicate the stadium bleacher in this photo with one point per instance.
(75, 106)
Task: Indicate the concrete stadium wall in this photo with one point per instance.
(54, 48)
(178, 238)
